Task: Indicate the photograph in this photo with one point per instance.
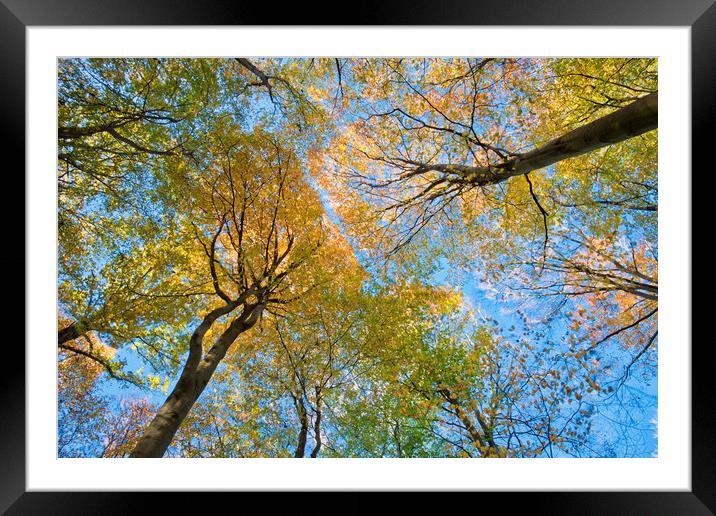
(357, 257)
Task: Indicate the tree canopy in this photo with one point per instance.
(357, 257)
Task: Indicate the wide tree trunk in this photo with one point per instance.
(196, 374)
(303, 432)
(68, 333)
(317, 425)
(637, 118)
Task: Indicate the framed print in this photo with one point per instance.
(418, 257)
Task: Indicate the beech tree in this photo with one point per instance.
(261, 228)
(444, 151)
(431, 132)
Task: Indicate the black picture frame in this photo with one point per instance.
(700, 15)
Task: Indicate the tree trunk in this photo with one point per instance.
(195, 376)
(69, 333)
(637, 118)
(396, 438)
(303, 432)
(317, 425)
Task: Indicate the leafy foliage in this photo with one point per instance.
(355, 257)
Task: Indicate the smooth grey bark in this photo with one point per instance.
(68, 333)
(303, 432)
(317, 425)
(196, 374)
(637, 118)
